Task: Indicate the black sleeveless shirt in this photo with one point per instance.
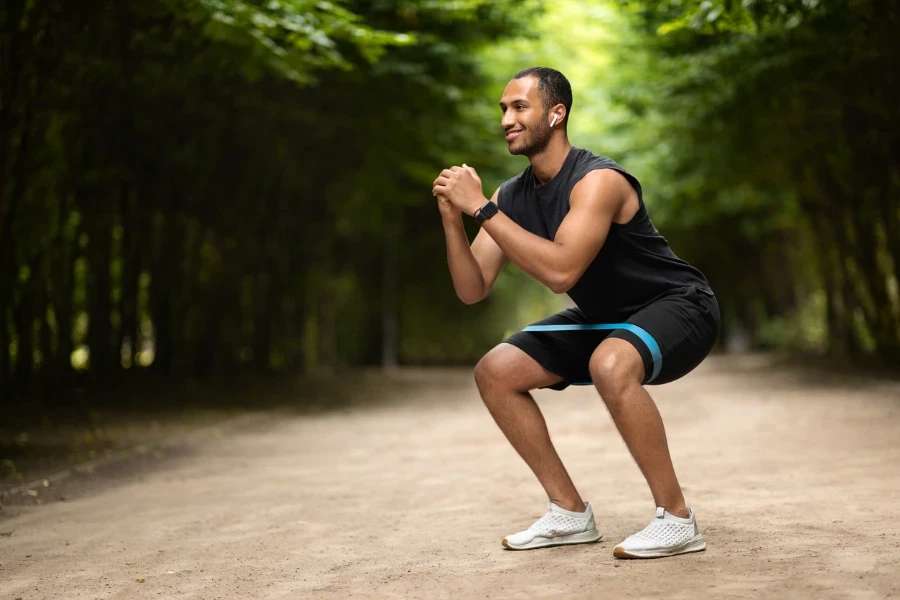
(634, 267)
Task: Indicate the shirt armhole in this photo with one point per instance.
(631, 179)
(502, 200)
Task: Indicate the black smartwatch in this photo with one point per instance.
(486, 212)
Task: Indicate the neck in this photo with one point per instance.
(547, 163)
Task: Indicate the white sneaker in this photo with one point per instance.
(666, 535)
(557, 527)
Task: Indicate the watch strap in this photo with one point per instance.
(488, 210)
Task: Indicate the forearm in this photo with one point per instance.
(544, 260)
(594, 203)
(468, 280)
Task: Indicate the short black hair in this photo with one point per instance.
(553, 87)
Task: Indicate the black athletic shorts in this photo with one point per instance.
(673, 335)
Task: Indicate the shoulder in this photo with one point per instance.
(602, 180)
(603, 172)
(605, 189)
(586, 161)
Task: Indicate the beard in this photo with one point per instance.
(538, 138)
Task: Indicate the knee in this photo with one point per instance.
(611, 376)
(486, 372)
(482, 373)
(493, 371)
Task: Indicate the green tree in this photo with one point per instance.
(773, 139)
(208, 186)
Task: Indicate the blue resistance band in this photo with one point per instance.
(655, 353)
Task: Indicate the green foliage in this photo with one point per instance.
(778, 134)
(226, 184)
(295, 37)
(219, 185)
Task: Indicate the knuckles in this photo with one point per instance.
(454, 174)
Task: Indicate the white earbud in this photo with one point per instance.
(553, 122)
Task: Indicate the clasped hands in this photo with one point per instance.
(461, 187)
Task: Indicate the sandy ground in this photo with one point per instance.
(794, 478)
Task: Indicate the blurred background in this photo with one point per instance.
(219, 189)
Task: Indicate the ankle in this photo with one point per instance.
(576, 506)
(678, 510)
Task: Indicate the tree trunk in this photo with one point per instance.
(100, 339)
(310, 320)
(45, 334)
(131, 269)
(262, 326)
(63, 302)
(162, 297)
(207, 355)
(63, 310)
(42, 369)
(23, 315)
(5, 372)
(13, 55)
(275, 320)
(327, 329)
(389, 300)
(162, 332)
(143, 245)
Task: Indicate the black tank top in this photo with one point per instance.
(634, 267)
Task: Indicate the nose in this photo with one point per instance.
(507, 121)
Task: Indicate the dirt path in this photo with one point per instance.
(795, 482)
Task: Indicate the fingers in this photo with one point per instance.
(448, 175)
(440, 181)
(443, 178)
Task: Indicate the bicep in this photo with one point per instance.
(593, 204)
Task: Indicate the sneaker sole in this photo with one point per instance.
(695, 545)
(587, 537)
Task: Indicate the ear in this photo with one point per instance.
(557, 115)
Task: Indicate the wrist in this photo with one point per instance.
(474, 209)
(485, 212)
(452, 218)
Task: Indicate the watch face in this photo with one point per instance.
(489, 210)
(486, 212)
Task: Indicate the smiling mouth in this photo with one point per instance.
(513, 134)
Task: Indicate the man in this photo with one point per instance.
(577, 223)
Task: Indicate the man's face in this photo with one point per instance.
(524, 117)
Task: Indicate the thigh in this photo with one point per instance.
(564, 348)
(674, 334)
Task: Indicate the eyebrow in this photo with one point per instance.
(516, 100)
